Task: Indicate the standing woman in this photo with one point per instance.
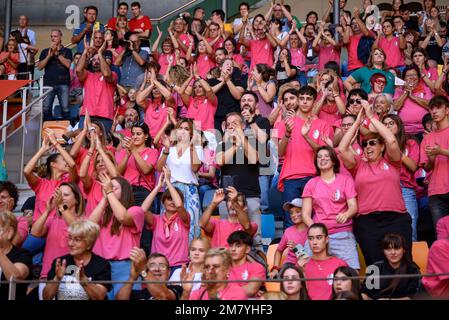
(328, 49)
(204, 57)
(170, 228)
(68, 202)
(431, 41)
(264, 87)
(395, 261)
(293, 289)
(9, 60)
(411, 102)
(184, 160)
(378, 185)
(167, 57)
(60, 168)
(137, 161)
(231, 48)
(121, 226)
(332, 197)
(156, 108)
(429, 75)
(410, 160)
(285, 72)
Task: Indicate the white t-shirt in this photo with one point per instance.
(181, 170)
(23, 52)
(238, 22)
(176, 276)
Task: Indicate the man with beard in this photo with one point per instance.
(155, 269)
(131, 116)
(216, 267)
(300, 136)
(99, 84)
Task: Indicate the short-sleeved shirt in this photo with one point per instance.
(222, 229)
(295, 235)
(16, 255)
(261, 52)
(231, 292)
(363, 76)
(143, 23)
(407, 287)
(395, 56)
(55, 72)
(247, 271)
(98, 269)
(202, 110)
(76, 32)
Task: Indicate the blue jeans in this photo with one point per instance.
(107, 123)
(202, 189)
(302, 78)
(264, 184)
(411, 204)
(292, 189)
(62, 91)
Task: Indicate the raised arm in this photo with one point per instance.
(347, 155)
(205, 224)
(179, 204)
(146, 205)
(33, 179)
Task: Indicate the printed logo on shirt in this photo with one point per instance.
(406, 152)
(245, 275)
(316, 134)
(337, 195)
(175, 227)
(422, 173)
(386, 167)
(101, 78)
(330, 278)
(266, 46)
(358, 151)
(142, 25)
(145, 157)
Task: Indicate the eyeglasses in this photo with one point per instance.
(138, 124)
(157, 266)
(74, 239)
(355, 101)
(380, 81)
(371, 143)
(347, 125)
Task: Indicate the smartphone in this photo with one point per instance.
(299, 251)
(228, 181)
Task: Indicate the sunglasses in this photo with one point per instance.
(371, 143)
(380, 82)
(355, 101)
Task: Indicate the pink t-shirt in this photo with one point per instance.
(155, 116)
(358, 149)
(205, 63)
(221, 229)
(411, 151)
(176, 246)
(209, 161)
(438, 262)
(186, 39)
(262, 52)
(201, 109)
(298, 58)
(412, 113)
(378, 186)
(218, 44)
(44, 189)
(321, 289)
(247, 271)
(164, 61)
(94, 196)
(118, 246)
(126, 132)
(292, 168)
(442, 228)
(329, 112)
(330, 199)
(56, 244)
(22, 227)
(326, 54)
(395, 56)
(231, 292)
(238, 59)
(439, 180)
(353, 61)
(133, 174)
(295, 235)
(99, 95)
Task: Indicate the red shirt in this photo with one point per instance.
(262, 52)
(143, 23)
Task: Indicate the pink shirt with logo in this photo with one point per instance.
(247, 271)
(186, 39)
(221, 229)
(93, 197)
(395, 56)
(378, 185)
(99, 95)
(292, 168)
(176, 246)
(321, 289)
(165, 60)
(408, 177)
(298, 58)
(412, 113)
(358, 150)
(330, 199)
(44, 189)
(209, 161)
(328, 53)
(205, 63)
(118, 246)
(295, 235)
(133, 174)
(231, 292)
(202, 110)
(439, 180)
(155, 116)
(262, 52)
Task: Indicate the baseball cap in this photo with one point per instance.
(297, 202)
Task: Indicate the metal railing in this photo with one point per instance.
(17, 138)
(179, 9)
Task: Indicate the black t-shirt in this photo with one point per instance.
(16, 255)
(407, 287)
(226, 102)
(144, 294)
(263, 149)
(55, 72)
(245, 176)
(98, 269)
(434, 51)
(412, 25)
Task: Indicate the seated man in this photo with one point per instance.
(244, 267)
(237, 220)
(153, 269)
